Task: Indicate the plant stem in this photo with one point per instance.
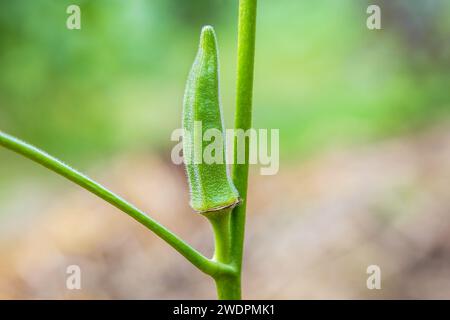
(228, 286)
(243, 120)
(209, 267)
(220, 221)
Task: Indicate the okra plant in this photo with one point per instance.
(215, 193)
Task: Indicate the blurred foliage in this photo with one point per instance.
(322, 77)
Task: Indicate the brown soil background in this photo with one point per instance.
(312, 230)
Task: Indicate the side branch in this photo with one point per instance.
(196, 258)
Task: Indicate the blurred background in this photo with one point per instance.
(364, 119)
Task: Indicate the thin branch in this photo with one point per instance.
(196, 258)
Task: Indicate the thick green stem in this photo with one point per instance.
(228, 287)
(210, 267)
(243, 120)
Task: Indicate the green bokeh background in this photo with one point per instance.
(116, 85)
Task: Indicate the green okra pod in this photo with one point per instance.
(210, 184)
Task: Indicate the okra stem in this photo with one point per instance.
(220, 222)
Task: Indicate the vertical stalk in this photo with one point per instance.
(229, 227)
(243, 120)
(228, 287)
